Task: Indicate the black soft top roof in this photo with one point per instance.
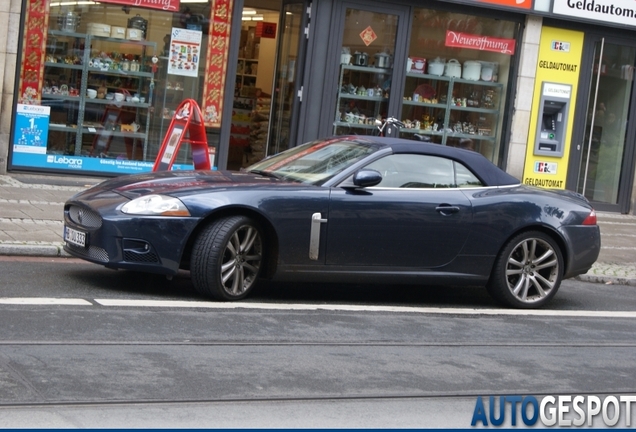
(489, 173)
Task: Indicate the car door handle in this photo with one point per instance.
(446, 209)
(314, 235)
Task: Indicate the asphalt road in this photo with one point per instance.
(83, 346)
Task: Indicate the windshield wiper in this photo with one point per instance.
(267, 174)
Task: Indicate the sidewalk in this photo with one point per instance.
(31, 214)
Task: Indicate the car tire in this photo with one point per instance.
(527, 272)
(227, 257)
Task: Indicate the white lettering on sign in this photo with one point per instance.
(557, 90)
(614, 11)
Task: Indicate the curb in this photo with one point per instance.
(607, 280)
(34, 250)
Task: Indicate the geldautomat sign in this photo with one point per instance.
(611, 11)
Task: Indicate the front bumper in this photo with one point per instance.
(153, 244)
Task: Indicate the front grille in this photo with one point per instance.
(93, 252)
(85, 217)
(146, 257)
(138, 251)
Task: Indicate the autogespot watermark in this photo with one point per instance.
(561, 410)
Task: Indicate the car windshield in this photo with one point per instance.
(314, 162)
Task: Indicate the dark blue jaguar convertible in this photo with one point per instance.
(346, 209)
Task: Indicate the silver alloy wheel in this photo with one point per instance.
(241, 260)
(532, 270)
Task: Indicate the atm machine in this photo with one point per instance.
(552, 120)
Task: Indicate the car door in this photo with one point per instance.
(416, 217)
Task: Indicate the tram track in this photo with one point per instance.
(327, 398)
(482, 344)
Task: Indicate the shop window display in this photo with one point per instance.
(455, 81)
(111, 78)
(365, 71)
(106, 89)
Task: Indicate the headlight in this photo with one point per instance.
(156, 205)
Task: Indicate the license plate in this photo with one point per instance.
(75, 237)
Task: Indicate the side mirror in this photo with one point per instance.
(367, 178)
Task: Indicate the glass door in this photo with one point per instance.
(291, 50)
(604, 172)
(368, 87)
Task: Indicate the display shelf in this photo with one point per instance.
(475, 110)
(136, 135)
(246, 76)
(63, 65)
(117, 104)
(425, 105)
(69, 112)
(61, 97)
(62, 128)
(120, 73)
(140, 43)
(362, 95)
(241, 121)
(452, 111)
(343, 124)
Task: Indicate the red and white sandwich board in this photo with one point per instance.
(186, 126)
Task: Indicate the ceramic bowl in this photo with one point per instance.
(91, 93)
(119, 97)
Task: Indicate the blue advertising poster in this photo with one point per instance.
(87, 164)
(31, 129)
(30, 148)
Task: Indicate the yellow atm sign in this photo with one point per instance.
(553, 108)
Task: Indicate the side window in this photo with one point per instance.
(414, 171)
(422, 171)
(464, 178)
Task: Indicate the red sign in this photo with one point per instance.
(368, 36)
(33, 51)
(167, 5)
(523, 4)
(266, 29)
(481, 43)
(217, 57)
(186, 125)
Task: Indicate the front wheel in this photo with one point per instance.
(528, 271)
(227, 257)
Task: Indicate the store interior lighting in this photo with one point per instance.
(250, 14)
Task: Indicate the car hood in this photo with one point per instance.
(178, 183)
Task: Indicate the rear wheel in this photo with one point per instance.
(227, 257)
(528, 271)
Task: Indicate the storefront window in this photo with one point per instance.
(456, 79)
(365, 73)
(253, 85)
(100, 92)
(606, 128)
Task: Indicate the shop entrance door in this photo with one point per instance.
(294, 19)
(371, 52)
(604, 150)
